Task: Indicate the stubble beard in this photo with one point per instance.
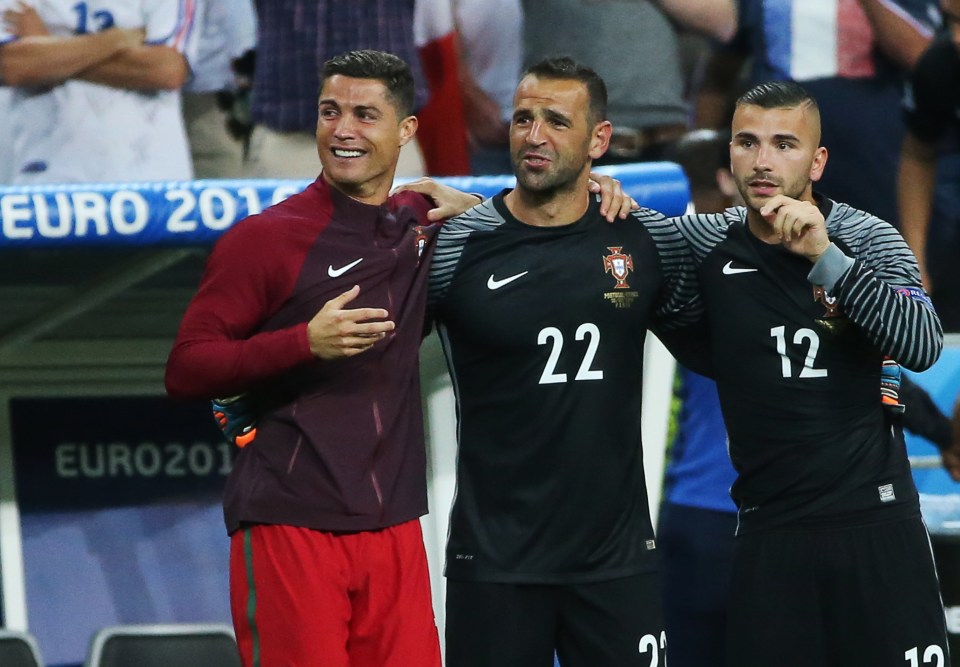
(559, 176)
(794, 190)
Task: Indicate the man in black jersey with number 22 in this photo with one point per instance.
(542, 309)
(804, 298)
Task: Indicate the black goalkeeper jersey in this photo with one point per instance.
(543, 329)
(798, 364)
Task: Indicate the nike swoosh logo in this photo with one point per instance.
(493, 283)
(336, 273)
(729, 270)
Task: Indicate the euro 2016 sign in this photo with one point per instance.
(173, 213)
(197, 212)
(76, 453)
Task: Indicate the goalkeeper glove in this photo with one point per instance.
(236, 418)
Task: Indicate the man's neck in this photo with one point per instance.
(760, 228)
(549, 209)
(365, 194)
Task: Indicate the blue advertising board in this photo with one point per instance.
(197, 212)
(120, 516)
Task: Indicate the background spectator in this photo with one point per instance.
(634, 47)
(229, 33)
(96, 93)
(852, 57)
(6, 138)
(442, 131)
(491, 54)
(929, 177)
(294, 39)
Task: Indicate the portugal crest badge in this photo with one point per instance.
(619, 265)
(832, 319)
(420, 241)
(830, 304)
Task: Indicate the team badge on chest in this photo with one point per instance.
(420, 241)
(619, 265)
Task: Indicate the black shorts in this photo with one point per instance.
(862, 596)
(615, 623)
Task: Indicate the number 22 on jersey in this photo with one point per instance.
(554, 336)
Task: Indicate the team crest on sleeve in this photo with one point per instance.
(619, 265)
(832, 319)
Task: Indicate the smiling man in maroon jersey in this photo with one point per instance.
(327, 559)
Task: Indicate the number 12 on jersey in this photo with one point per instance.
(813, 346)
(933, 655)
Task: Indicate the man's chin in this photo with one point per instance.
(534, 182)
(756, 201)
(344, 175)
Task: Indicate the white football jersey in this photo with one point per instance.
(79, 132)
(229, 29)
(6, 136)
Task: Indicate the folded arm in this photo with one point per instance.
(46, 61)
(145, 67)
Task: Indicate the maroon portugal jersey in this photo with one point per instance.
(339, 443)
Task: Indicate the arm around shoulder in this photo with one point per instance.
(690, 346)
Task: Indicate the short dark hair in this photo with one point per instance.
(567, 69)
(778, 95)
(782, 95)
(386, 68)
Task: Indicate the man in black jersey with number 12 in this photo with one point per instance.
(804, 298)
(542, 309)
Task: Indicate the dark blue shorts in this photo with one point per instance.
(696, 551)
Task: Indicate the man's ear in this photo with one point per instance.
(408, 128)
(600, 141)
(819, 162)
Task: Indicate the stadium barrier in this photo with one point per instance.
(197, 212)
